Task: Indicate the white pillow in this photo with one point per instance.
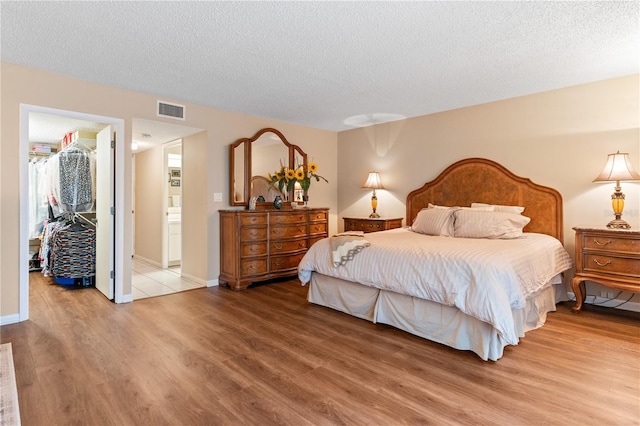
(434, 221)
(479, 224)
(501, 208)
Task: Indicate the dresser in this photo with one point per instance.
(610, 257)
(258, 245)
(370, 224)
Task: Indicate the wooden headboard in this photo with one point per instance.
(478, 180)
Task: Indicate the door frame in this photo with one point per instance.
(118, 244)
(166, 147)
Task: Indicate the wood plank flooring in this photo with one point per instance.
(266, 356)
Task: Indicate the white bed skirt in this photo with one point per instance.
(430, 320)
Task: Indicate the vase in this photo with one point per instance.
(305, 200)
(277, 202)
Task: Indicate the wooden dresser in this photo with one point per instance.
(370, 224)
(610, 257)
(258, 245)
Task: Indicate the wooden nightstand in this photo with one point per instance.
(371, 225)
(610, 257)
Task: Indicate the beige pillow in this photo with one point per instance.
(434, 221)
(480, 224)
(501, 208)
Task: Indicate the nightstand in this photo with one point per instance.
(610, 257)
(371, 225)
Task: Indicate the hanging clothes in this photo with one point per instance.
(76, 181)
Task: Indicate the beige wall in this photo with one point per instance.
(22, 85)
(559, 138)
(149, 186)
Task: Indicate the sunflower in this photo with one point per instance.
(290, 174)
(300, 174)
(313, 167)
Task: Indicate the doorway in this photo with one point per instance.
(112, 178)
(159, 206)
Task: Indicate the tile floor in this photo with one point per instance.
(150, 281)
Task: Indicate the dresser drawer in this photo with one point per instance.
(253, 219)
(251, 267)
(277, 247)
(612, 265)
(291, 231)
(608, 243)
(318, 216)
(368, 226)
(318, 228)
(279, 263)
(284, 218)
(256, 249)
(253, 234)
(314, 240)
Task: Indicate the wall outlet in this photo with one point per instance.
(217, 196)
(610, 295)
(603, 294)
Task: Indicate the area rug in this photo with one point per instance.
(9, 410)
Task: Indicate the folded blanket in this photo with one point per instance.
(345, 245)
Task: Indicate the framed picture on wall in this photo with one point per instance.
(175, 182)
(175, 173)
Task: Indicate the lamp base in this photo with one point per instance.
(618, 224)
(374, 215)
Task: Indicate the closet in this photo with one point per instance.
(62, 195)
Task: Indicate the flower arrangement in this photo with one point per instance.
(304, 176)
(286, 178)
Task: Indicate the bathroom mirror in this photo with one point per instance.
(251, 159)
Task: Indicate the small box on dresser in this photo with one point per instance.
(371, 224)
(610, 257)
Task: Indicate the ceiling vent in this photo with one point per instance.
(168, 110)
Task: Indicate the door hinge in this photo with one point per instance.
(111, 274)
(113, 144)
(113, 212)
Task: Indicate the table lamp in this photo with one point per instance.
(617, 168)
(373, 182)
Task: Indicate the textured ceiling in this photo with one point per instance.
(319, 63)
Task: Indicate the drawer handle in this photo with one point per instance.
(278, 246)
(253, 249)
(277, 264)
(595, 240)
(301, 244)
(253, 233)
(602, 264)
(253, 267)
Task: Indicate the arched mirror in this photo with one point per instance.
(251, 159)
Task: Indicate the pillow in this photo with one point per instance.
(501, 208)
(434, 221)
(479, 224)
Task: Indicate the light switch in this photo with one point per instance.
(217, 196)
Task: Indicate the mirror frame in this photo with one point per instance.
(247, 152)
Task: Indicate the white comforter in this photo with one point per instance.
(481, 277)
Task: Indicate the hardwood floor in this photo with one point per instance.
(266, 356)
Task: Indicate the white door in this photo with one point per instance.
(104, 209)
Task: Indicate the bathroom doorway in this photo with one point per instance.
(173, 227)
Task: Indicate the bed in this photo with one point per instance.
(440, 277)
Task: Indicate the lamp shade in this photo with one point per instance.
(618, 168)
(373, 181)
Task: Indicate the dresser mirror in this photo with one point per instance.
(251, 159)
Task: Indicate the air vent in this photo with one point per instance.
(166, 109)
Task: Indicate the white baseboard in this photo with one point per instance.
(213, 283)
(127, 298)
(608, 303)
(149, 261)
(9, 319)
